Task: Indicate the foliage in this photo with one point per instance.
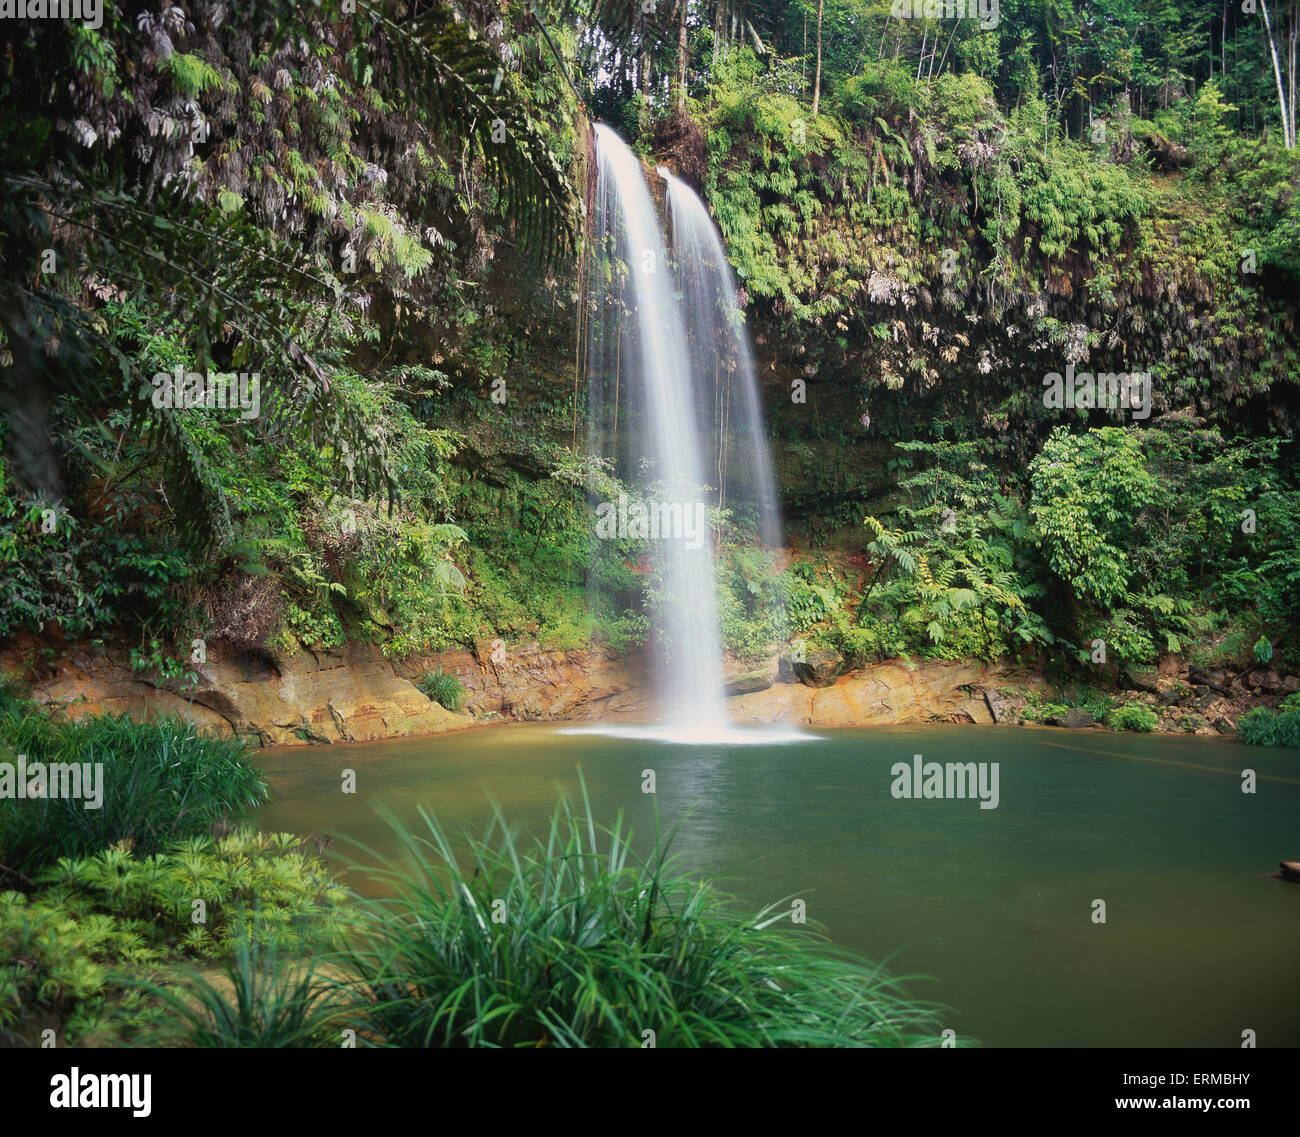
(1133, 716)
(555, 942)
(1262, 727)
(752, 598)
(447, 690)
(161, 780)
(1089, 491)
(954, 574)
(1041, 708)
(266, 1001)
(376, 213)
(70, 946)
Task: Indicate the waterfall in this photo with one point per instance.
(720, 349)
(665, 351)
(644, 357)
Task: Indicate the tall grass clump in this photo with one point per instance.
(444, 689)
(571, 940)
(262, 1000)
(163, 781)
(1262, 727)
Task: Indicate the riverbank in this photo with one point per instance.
(355, 694)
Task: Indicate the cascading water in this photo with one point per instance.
(661, 366)
(720, 350)
(644, 355)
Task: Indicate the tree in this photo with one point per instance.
(681, 55)
(1288, 116)
(244, 265)
(817, 80)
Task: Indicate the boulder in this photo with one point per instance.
(1171, 691)
(1143, 679)
(1005, 706)
(746, 678)
(885, 693)
(818, 667)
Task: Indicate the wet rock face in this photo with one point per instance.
(348, 695)
(1005, 707)
(356, 695)
(526, 683)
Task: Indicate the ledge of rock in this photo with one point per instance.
(527, 683)
(885, 693)
(352, 694)
(746, 678)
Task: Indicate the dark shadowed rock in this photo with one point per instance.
(1075, 717)
(813, 666)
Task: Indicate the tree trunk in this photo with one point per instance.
(1291, 76)
(1288, 141)
(817, 81)
(681, 55)
(878, 577)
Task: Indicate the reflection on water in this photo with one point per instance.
(728, 734)
(997, 904)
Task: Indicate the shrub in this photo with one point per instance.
(596, 948)
(65, 947)
(1134, 716)
(162, 781)
(1262, 727)
(442, 688)
(239, 874)
(1037, 712)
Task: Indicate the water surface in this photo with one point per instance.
(996, 904)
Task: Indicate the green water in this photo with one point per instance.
(995, 904)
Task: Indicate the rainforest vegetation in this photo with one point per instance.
(926, 217)
(374, 213)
